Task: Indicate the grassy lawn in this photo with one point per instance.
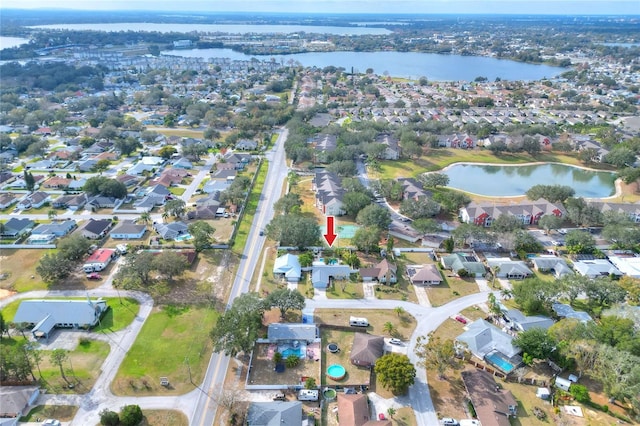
(82, 368)
(182, 132)
(450, 289)
(345, 290)
(20, 278)
(404, 324)
(167, 341)
(354, 375)
(64, 413)
(119, 316)
(177, 190)
(164, 418)
(437, 159)
(249, 211)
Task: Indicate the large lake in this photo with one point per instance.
(400, 64)
(220, 28)
(500, 180)
(7, 42)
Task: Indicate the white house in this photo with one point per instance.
(288, 268)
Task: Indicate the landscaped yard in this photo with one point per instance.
(403, 323)
(344, 339)
(345, 289)
(174, 343)
(263, 373)
(451, 288)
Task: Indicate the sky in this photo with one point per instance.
(560, 7)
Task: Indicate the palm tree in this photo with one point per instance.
(388, 327)
(52, 214)
(145, 218)
(399, 310)
(495, 270)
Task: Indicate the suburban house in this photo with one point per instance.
(392, 147)
(246, 145)
(34, 200)
(7, 199)
(183, 163)
(171, 231)
(329, 193)
(382, 272)
(322, 275)
(287, 267)
(518, 321)
(594, 268)
(15, 227)
(128, 230)
(493, 405)
(412, 189)
(467, 261)
(155, 196)
(631, 210)
(366, 349)
(427, 274)
(127, 180)
(71, 202)
(237, 159)
(59, 229)
(510, 269)
(16, 402)
(628, 264)
(287, 333)
(555, 265)
(275, 413)
(528, 212)
(483, 338)
(99, 260)
(102, 202)
(94, 229)
(45, 314)
(566, 311)
(353, 410)
(325, 142)
(56, 182)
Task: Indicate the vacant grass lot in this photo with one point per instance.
(170, 338)
(250, 210)
(119, 315)
(164, 418)
(404, 323)
(20, 265)
(451, 288)
(81, 369)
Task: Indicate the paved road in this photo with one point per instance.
(198, 178)
(204, 411)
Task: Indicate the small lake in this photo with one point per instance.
(411, 65)
(503, 181)
(219, 28)
(7, 42)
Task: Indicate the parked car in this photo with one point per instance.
(51, 422)
(557, 243)
(461, 319)
(279, 397)
(381, 417)
(448, 421)
(395, 341)
(261, 233)
(94, 276)
(562, 231)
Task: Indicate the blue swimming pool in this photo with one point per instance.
(292, 351)
(497, 360)
(183, 237)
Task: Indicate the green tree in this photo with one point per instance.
(374, 216)
(294, 230)
(451, 201)
(367, 239)
(131, 415)
(578, 241)
(395, 372)
(175, 207)
(550, 222)
(289, 203)
(73, 247)
(136, 269)
(433, 353)
(170, 264)
(109, 418)
(202, 234)
(355, 202)
(127, 146)
(29, 181)
(238, 328)
(102, 165)
(105, 186)
(604, 291)
(420, 208)
(551, 193)
(506, 223)
(388, 327)
(53, 267)
(3, 325)
(434, 180)
(167, 151)
(535, 342)
(51, 214)
(292, 361)
(285, 299)
(59, 357)
(310, 383)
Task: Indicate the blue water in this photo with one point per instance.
(292, 351)
(336, 371)
(500, 362)
(183, 237)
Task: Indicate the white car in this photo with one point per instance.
(51, 422)
(395, 341)
(448, 421)
(562, 231)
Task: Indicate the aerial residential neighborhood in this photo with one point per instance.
(191, 235)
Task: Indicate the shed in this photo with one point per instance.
(562, 383)
(543, 393)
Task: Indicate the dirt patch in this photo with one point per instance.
(6, 293)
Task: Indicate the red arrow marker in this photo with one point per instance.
(330, 236)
